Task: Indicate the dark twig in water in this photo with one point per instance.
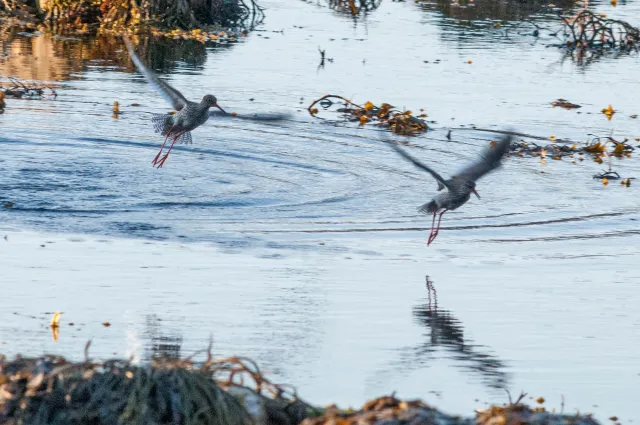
(322, 52)
(20, 89)
(520, 398)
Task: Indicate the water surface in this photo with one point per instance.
(298, 242)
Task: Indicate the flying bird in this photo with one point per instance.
(460, 186)
(189, 115)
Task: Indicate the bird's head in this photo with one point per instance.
(471, 187)
(210, 101)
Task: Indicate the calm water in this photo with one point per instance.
(298, 242)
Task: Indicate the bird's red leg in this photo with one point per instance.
(166, 155)
(433, 222)
(432, 238)
(155, 160)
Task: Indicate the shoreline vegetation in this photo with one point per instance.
(227, 391)
(175, 18)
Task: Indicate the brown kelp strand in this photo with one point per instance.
(385, 115)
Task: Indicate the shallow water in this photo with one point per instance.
(298, 242)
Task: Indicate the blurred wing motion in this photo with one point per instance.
(252, 117)
(171, 95)
(442, 183)
(489, 160)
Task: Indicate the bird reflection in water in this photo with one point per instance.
(158, 344)
(447, 332)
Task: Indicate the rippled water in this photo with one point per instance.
(298, 242)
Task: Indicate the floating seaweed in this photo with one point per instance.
(597, 147)
(354, 7)
(588, 35)
(563, 103)
(400, 122)
(26, 90)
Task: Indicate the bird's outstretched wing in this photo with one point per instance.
(420, 165)
(489, 160)
(171, 95)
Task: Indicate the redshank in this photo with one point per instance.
(189, 115)
(460, 186)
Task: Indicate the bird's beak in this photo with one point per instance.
(218, 106)
(476, 193)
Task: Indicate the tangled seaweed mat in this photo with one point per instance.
(51, 390)
(400, 122)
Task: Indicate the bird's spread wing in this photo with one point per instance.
(489, 160)
(420, 165)
(171, 95)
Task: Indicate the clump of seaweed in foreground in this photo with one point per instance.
(52, 390)
(400, 122)
(229, 391)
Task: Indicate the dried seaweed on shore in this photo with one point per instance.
(228, 391)
(26, 90)
(400, 122)
(52, 390)
(389, 410)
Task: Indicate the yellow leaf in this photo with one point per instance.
(605, 181)
(363, 119)
(408, 112)
(540, 400)
(614, 2)
(55, 320)
(552, 137)
(368, 106)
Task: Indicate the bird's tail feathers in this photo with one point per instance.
(162, 123)
(428, 208)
